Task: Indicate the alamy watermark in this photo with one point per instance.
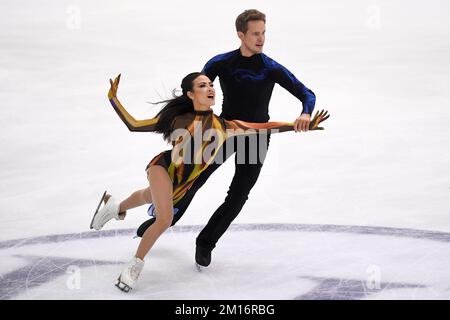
(216, 146)
(73, 281)
(374, 19)
(73, 20)
(373, 281)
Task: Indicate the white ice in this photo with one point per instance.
(381, 68)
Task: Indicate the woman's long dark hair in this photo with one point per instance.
(176, 106)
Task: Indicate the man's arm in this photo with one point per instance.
(287, 80)
(211, 68)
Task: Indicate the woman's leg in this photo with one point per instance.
(162, 199)
(137, 199)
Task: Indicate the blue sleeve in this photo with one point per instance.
(211, 68)
(287, 80)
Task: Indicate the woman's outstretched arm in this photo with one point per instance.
(238, 127)
(128, 119)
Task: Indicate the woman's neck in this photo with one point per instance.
(202, 108)
(198, 111)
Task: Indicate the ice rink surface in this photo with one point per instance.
(360, 210)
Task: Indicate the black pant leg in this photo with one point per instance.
(183, 204)
(244, 179)
(224, 153)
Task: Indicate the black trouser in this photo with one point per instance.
(247, 169)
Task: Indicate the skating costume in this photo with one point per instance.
(213, 131)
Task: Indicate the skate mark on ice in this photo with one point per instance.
(365, 230)
(39, 271)
(347, 289)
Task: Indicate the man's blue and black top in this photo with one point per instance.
(247, 84)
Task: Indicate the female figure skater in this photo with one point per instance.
(172, 172)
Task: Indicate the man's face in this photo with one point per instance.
(253, 39)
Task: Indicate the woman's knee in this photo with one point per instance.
(164, 220)
(148, 174)
(161, 192)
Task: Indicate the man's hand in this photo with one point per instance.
(302, 122)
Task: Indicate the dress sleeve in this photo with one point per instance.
(132, 124)
(238, 127)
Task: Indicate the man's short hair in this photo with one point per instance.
(246, 16)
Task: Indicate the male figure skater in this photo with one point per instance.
(247, 78)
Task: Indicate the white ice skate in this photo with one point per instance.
(130, 274)
(109, 211)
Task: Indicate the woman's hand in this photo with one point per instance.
(114, 86)
(318, 118)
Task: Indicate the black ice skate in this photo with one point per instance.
(202, 257)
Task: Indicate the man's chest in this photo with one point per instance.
(243, 77)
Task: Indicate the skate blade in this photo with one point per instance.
(98, 207)
(199, 267)
(122, 286)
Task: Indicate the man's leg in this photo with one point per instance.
(183, 204)
(244, 179)
(223, 155)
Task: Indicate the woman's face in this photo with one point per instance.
(203, 94)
